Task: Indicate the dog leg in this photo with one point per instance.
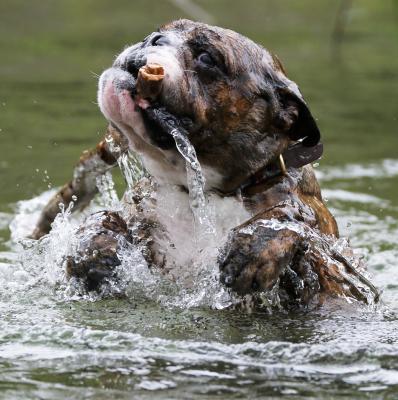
(257, 256)
(82, 188)
(99, 240)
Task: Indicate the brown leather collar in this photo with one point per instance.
(295, 156)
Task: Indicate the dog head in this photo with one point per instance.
(232, 96)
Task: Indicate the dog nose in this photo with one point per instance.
(133, 66)
(159, 40)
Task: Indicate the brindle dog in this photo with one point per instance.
(255, 139)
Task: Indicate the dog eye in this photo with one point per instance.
(206, 59)
(160, 40)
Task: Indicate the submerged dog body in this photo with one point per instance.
(243, 117)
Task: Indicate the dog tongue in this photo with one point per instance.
(149, 82)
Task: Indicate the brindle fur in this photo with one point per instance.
(240, 115)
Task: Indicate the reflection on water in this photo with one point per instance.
(54, 345)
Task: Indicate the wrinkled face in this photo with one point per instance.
(230, 94)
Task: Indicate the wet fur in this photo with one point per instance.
(240, 115)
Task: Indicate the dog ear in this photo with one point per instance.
(294, 117)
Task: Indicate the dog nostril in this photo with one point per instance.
(133, 69)
(159, 40)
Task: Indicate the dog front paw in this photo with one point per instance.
(96, 258)
(255, 257)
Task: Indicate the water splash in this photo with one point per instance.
(129, 163)
(106, 188)
(40, 263)
(185, 288)
(194, 280)
(196, 182)
(331, 250)
(132, 169)
(192, 285)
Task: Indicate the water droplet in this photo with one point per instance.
(315, 165)
(29, 147)
(74, 198)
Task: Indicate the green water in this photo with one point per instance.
(52, 346)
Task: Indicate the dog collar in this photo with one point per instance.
(298, 155)
(295, 156)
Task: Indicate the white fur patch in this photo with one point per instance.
(173, 212)
(168, 169)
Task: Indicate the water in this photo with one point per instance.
(196, 184)
(204, 218)
(56, 344)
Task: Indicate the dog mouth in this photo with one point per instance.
(146, 95)
(137, 102)
(156, 126)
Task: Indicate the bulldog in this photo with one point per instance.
(255, 139)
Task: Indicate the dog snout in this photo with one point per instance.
(133, 65)
(134, 57)
(131, 59)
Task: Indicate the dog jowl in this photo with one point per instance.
(255, 139)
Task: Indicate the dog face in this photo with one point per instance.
(231, 95)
